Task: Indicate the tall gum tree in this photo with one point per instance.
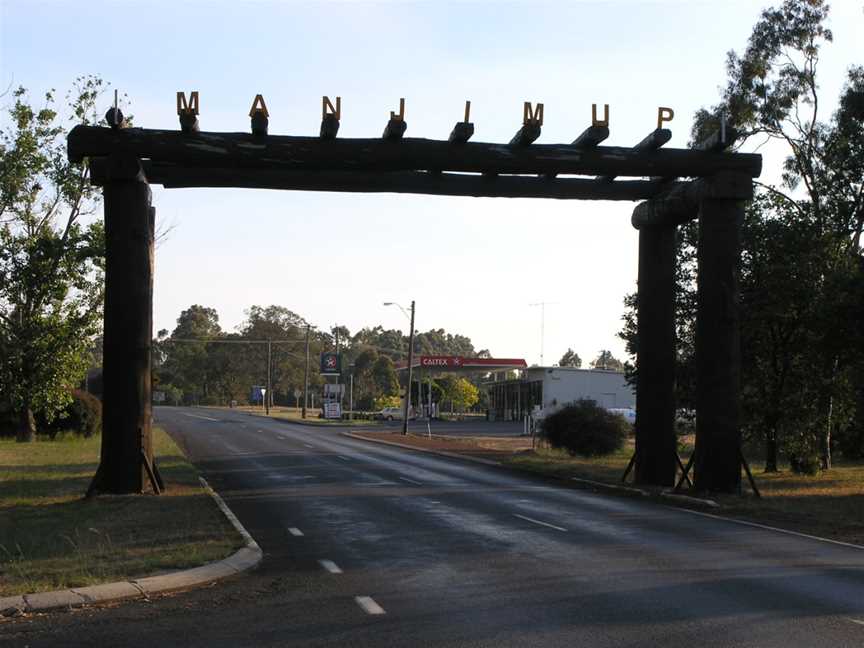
(772, 93)
(51, 260)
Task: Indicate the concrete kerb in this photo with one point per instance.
(686, 499)
(240, 561)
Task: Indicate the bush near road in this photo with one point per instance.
(584, 428)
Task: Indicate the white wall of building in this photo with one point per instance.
(562, 385)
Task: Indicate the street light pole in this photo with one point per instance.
(306, 374)
(351, 393)
(410, 362)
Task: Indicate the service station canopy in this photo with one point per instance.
(458, 364)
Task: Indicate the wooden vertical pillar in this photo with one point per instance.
(718, 347)
(128, 330)
(655, 377)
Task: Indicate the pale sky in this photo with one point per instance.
(473, 265)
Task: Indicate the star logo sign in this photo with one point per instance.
(457, 361)
(331, 362)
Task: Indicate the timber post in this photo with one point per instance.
(718, 346)
(655, 377)
(129, 247)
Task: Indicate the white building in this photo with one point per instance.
(548, 388)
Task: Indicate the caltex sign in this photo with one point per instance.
(440, 361)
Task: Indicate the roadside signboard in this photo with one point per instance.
(332, 410)
(440, 361)
(297, 393)
(331, 363)
(257, 393)
(333, 391)
(158, 397)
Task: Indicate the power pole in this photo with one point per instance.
(410, 361)
(306, 374)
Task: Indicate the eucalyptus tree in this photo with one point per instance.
(51, 255)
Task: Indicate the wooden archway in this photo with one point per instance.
(125, 161)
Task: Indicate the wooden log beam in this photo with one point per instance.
(589, 138)
(681, 202)
(652, 142)
(239, 150)
(718, 347)
(128, 334)
(656, 451)
(329, 126)
(419, 182)
(461, 132)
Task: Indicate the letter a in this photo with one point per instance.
(258, 105)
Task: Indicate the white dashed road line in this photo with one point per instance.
(206, 418)
(546, 524)
(330, 566)
(308, 446)
(369, 605)
(294, 531)
(858, 621)
(343, 458)
(411, 481)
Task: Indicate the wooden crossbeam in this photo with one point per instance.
(420, 182)
(589, 138)
(653, 141)
(681, 202)
(240, 150)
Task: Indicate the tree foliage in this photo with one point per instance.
(570, 359)
(605, 360)
(802, 266)
(198, 362)
(51, 257)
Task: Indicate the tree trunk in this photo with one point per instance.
(718, 348)
(126, 435)
(771, 450)
(26, 425)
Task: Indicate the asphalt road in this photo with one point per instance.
(456, 554)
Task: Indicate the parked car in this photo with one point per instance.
(628, 413)
(393, 414)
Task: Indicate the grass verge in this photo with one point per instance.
(295, 415)
(51, 538)
(829, 505)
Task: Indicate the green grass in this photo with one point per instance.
(829, 505)
(51, 538)
(548, 461)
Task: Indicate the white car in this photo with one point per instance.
(628, 413)
(393, 414)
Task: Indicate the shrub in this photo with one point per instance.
(82, 417)
(586, 429)
(804, 455)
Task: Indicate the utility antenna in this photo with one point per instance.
(542, 306)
